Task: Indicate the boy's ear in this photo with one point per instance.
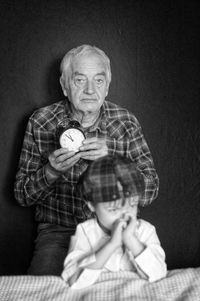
(91, 206)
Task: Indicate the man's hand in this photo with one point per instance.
(62, 159)
(93, 148)
(59, 162)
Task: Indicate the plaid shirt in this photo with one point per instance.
(59, 203)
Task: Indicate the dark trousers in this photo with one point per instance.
(51, 246)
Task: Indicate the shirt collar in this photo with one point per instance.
(103, 228)
(100, 123)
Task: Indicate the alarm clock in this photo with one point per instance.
(71, 136)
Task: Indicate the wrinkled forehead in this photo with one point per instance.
(86, 62)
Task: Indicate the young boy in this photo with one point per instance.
(114, 239)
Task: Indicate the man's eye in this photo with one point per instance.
(99, 81)
(79, 81)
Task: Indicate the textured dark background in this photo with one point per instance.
(154, 52)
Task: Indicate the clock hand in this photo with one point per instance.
(69, 136)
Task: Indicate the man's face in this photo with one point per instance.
(87, 87)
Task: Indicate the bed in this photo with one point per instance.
(180, 284)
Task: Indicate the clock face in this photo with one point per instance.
(72, 139)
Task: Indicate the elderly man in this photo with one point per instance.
(48, 173)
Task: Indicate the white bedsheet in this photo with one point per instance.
(179, 285)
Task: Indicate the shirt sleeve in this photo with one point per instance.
(31, 185)
(128, 140)
(81, 254)
(150, 264)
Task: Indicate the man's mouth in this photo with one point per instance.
(89, 99)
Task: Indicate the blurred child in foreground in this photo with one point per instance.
(115, 239)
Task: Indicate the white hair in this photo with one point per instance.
(66, 63)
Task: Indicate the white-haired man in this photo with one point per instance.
(49, 172)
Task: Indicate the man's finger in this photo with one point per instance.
(90, 140)
(67, 156)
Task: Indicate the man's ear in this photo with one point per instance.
(62, 83)
(107, 90)
(91, 206)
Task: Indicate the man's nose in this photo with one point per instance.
(89, 88)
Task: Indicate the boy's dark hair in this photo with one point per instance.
(100, 182)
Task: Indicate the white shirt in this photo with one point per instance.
(89, 237)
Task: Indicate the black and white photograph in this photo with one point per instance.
(100, 150)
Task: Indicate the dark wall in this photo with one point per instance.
(154, 51)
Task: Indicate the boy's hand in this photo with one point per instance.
(129, 231)
(117, 231)
(130, 238)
